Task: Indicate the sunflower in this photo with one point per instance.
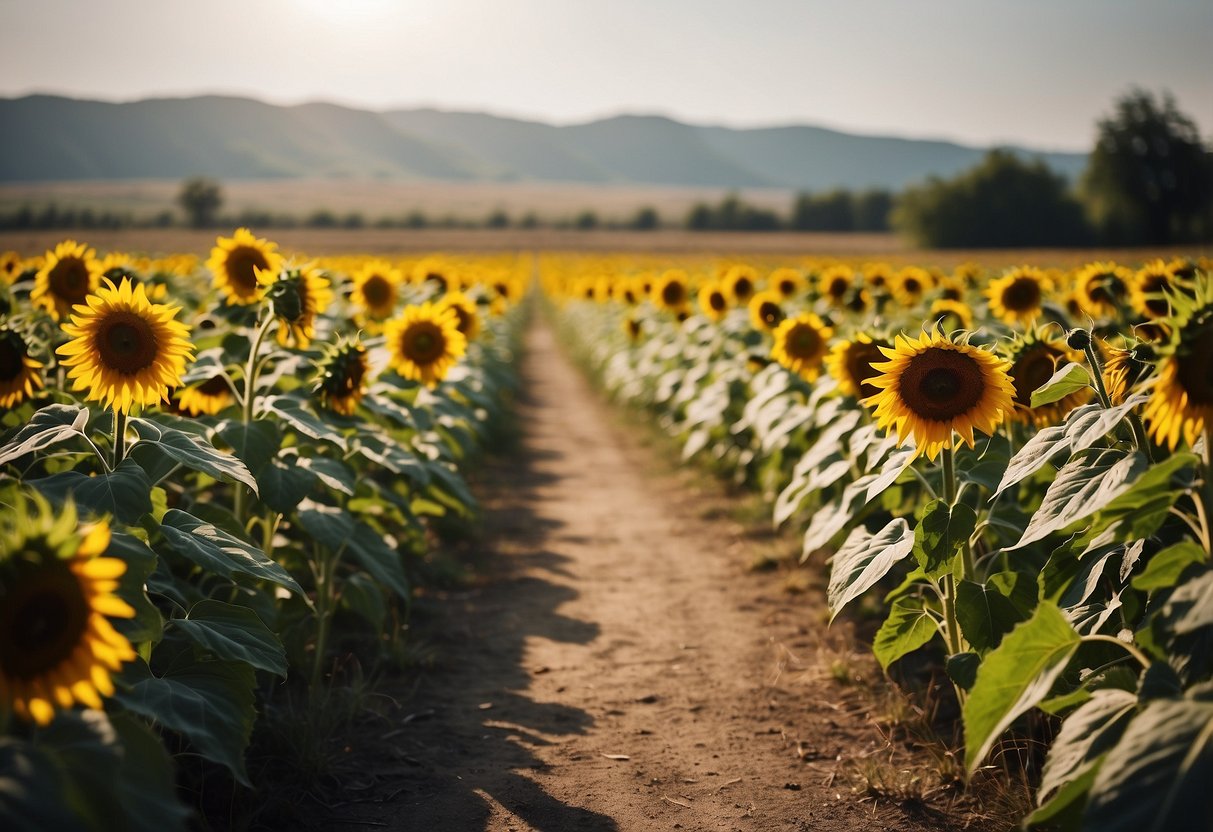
(789, 283)
(800, 344)
(10, 267)
(209, 397)
(425, 342)
(57, 646)
(125, 351)
(1125, 368)
(910, 284)
(932, 386)
(1034, 360)
(1019, 295)
(627, 291)
(834, 283)
(1181, 402)
(340, 379)
(633, 328)
(1150, 288)
(1102, 288)
(435, 274)
(850, 362)
(713, 302)
(765, 311)
(859, 302)
(465, 311)
(952, 315)
(740, 284)
(376, 290)
(236, 262)
(69, 274)
(19, 372)
(670, 292)
(297, 296)
(878, 275)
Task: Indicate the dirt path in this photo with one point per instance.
(618, 668)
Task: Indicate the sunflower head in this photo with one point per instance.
(765, 310)
(1153, 289)
(671, 292)
(57, 646)
(933, 386)
(376, 290)
(910, 284)
(1018, 296)
(124, 350)
(1033, 361)
(1125, 368)
(627, 291)
(878, 276)
(633, 328)
(69, 274)
(465, 310)
(20, 374)
(10, 267)
(207, 398)
(740, 284)
(341, 373)
(713, 301)
(801, 344)
(424, 343)
(834, 283)
(297, 296)
(850, 363)
(1181, 401)
(1101, 289)
(436, 275)
(789, 283)
(237, 261)
(952, 315)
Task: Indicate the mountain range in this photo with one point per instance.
(53, 138)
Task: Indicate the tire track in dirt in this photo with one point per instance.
(617, 668)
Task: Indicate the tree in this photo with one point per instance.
(871, 210)
(1002, 202)
(200, 198)
(1149, 179)
(645, 219)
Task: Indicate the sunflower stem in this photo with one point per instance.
(952, 624)
(1204, 505)
(250, 396)
(119, 437)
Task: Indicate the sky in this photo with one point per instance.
(1031, 72)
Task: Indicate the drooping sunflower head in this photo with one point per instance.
(1018, 296)
(1102, 289)
(834, 283)
(765, 310)
(57, 646)
(1125, 367)
(801, 344)
(740, 284)
(789, 283)
(237, 261)
(69, 274)
(910, 284)
(465, 310)
(850, 362)
(671, 291)
(952, 315)
(124, 350)
(206, 398)
(341, 372)
(424, 343)
(1034, 360)
(376, 290)
(20, 373)
(713, 301)
(933, 386)
(297, 296)
(1181, 401)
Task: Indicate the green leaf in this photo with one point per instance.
(51, 425)
(221, 553)
(235, 633)
(1069, 379)
(1157, 777)
(962, 669)
(147, 790)
(255, 444)
(864, 559)
(379, 559)
(124, 493)
(1034, 455)
(294, 412)
(985, 615)
(331, 527)
(332, 472)
(148, 623)
(1083, 486)
(35, 792)
(284, 483)
(835, 517)
(362, 595)
(193, 452)
(1190, 606)
(1015, 676)
(392, 457)
(209, 703)
(907, 628)
(940, 534)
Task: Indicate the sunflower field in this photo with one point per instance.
(214, 474)
(1012, 467)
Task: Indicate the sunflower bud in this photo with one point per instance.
(1078, 339)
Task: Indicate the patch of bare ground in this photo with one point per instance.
(620, 664)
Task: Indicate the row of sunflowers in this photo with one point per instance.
(209, 472)
(1012, 467)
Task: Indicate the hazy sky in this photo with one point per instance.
(1030, 71)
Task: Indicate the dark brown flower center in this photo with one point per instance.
(126, 342)
(43, 615)
(214, 386)
(465, 320)
(1022, 295)
(787, 287)
(1031, 370)
(770, 314)
(242, 264)
(673, 293)
(941, 384)
(69, 280)
(11, 356)
(912, 286)
(859, 360)
(424, 343)
(1107, 289)
(1195, 365)
(377, 291)
(717, 301)
(804, 342)
(1158, 306)
(838, 287)
(743, 288)
(438, 279)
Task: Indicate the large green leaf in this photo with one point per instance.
(1165, 567)
(210, 703)
(148, 623)
(833, 518)
(864, 559)
(295, 413)
(378, 558)
(1157, 778)
(1016, 676)
(985, 615)
(1190, 606)
(124, 493)
(51, 425)
(284, 483)
(1069, 379)
(235, 633)
(255, 444)
(907, 628)
(219, 552)
(192, 451)
(1084, 485)
(940, 534)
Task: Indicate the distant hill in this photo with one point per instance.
(54, 138)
